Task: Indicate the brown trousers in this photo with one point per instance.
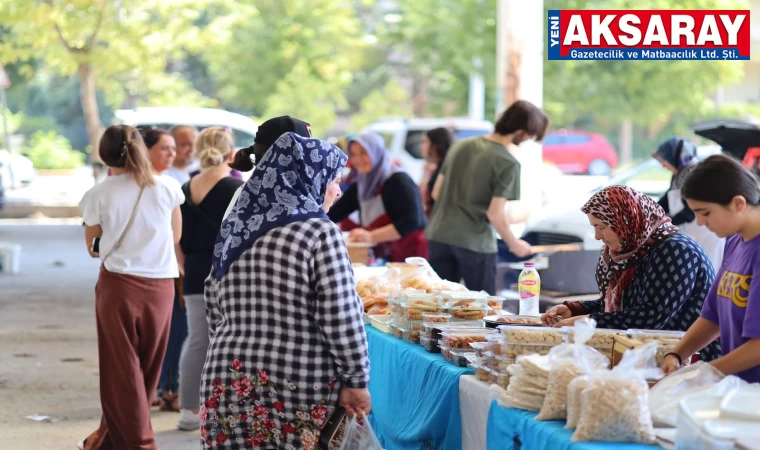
(133, 316)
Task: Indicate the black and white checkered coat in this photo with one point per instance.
(286, 332)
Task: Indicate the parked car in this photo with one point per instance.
(739, 138)
(17, 170)
(562, 222)
(579, 152)
(403, 137)
(243, 128)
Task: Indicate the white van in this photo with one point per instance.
(403, 137)
(243, 128)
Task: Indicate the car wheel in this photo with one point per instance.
(598, 167)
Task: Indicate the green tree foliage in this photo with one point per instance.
(391, 101)
(441, 40)
(48, 150)
(652, 94)
(274, 56)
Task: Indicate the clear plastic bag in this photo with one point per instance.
(615, 404)
(360, 436)
(574, 390)
(389, 281)
(566, 362)
(519, 377)
(698, 379)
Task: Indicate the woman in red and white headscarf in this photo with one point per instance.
(650, 276)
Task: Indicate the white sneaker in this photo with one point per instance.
(188, 421)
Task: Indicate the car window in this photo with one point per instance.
(413, 141)
(653, 180)
(242, 139)
(465, 133)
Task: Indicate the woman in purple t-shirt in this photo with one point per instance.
(725, 197)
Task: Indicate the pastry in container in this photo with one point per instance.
(462, 357)
(414, 305)
(466, 300)
(396, 331)
(435, 330)
(480, 348)
(463, 338)
(412, 336)
(431, 345)
(526, 340)
(431, 317)
(468, 314)
(482, 372)
(501, 363)
(601, 339)
(494, 321)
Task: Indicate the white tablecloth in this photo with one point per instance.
(475, 399)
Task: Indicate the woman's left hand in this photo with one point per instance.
(569, 322)
(361, 235)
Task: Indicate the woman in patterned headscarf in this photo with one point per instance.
(650, 276)
(287, 341)
(680, 157)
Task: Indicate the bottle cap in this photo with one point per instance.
(529, 265)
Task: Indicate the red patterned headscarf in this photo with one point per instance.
(640, 223)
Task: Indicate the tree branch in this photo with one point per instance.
(90, 40)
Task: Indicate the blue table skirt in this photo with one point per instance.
(508, 427)
(415, 395)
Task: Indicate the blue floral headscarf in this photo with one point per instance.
(288, 185)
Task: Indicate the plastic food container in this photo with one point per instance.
(501, 379)
(666, 337)
(482, 373)
(431, 345)
(430, 317)
(533, 335)
(480, 348)
(701, 427)
(396, 331)
(435, 330)
(495, 303)
(462, 357)
(501, 363)
(463, 338)
(468, 314)
(412, 336)
(466, 300)
(602, 338)
(514, 350)
(494, 321)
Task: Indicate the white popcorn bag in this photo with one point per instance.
(615, 404)
(566, 362)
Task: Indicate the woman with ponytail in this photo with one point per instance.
(133, 221)
(206, 198)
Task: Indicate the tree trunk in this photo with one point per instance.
(91, 114)
(626, 141)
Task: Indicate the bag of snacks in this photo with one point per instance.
(518, 376)
(574, 390)
(527, 385)
(566, 362)
(615, 404)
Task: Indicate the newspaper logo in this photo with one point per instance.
(648, 34)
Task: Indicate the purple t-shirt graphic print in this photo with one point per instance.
(734, 299)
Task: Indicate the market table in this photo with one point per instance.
(510, 429)
(415, 395)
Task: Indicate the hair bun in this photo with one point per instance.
(210, 156)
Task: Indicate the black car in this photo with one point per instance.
(739, 138)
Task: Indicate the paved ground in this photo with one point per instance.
(48, 347)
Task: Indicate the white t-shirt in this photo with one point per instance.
(182, 176)
(148, 247)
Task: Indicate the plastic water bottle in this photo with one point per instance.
(529, 287)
